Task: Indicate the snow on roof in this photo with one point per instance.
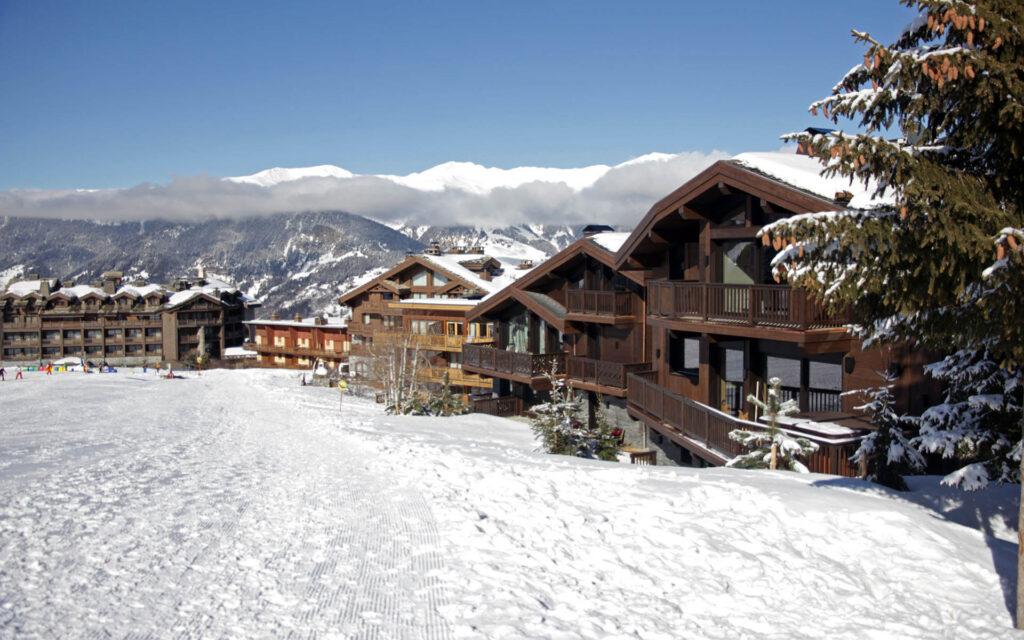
(804, 172)
(81, 290)
(427, 302)
(452, 263)
(140, 292)
(238, 352)
(331, 323)
(26, 287)
(610, 240)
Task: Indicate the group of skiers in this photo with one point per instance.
(3, 374)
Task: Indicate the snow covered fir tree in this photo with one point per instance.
(562, 428)
(774, 448)
(913, 269)
(887, 451)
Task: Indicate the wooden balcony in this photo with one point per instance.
(504, 406)
(420, 340)
(21, 323)
(513, 365)
(456, 377)
(599, 306)
(705, 431)
(763, 306)
(294, 351)
(601, 376)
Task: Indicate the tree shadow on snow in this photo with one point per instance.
(992, 511)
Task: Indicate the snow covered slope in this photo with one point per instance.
(255, 507)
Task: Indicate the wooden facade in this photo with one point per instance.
(720, 326)
(43, 320)
(575, 316)
(422, 304)
(299, 343)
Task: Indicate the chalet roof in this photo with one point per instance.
(791, 181)
(81, 291)
(449, 265)
(24, 288)
(600, 246)
(804, 172)
(138, 292)
(547, 303)
(212, 289)
(306, 323)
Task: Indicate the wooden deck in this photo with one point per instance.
(704, 431)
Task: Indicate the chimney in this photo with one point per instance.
(298, 318)
(594, 229)
(44, 287)
(275, 316)
(843, 197)
(320, 320)
(140, 283)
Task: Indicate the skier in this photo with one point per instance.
(17, 374)
(2, 372)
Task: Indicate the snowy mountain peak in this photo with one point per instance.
(277, 175)
(468, 177)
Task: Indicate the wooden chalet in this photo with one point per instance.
(298, 343)
(719, 326)
(422, 304)
(572, 315)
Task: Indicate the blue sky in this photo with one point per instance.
(113, 94)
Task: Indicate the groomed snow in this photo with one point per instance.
(241, 504)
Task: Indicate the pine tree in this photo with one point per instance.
(443, 402)
(605, 445)
(886, 451)
(913, 269)
(558, 422)
(774, 448)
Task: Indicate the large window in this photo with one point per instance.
(439, 279)
(684, 353)
(419, 279)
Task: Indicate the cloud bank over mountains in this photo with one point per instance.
(454, 193)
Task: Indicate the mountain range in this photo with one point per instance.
(293, 263)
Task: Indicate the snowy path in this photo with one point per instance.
(241, 505)
(219, 523)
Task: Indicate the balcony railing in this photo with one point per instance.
(456, 377)
(528, 365)
(505, 406)
(774, 306)
(297, 351)
(420, 340)
(599, 372)
(599, 303)
(709, 428)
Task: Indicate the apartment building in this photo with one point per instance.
(421, 305)
(44, 319)
(298, 343)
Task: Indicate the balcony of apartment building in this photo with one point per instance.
(754, 310)
(299, 351)
(426, 341)
(604, 307)
(15, 323)
(610, 378)
(525, 367)
(704, 430)
(456, 377)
